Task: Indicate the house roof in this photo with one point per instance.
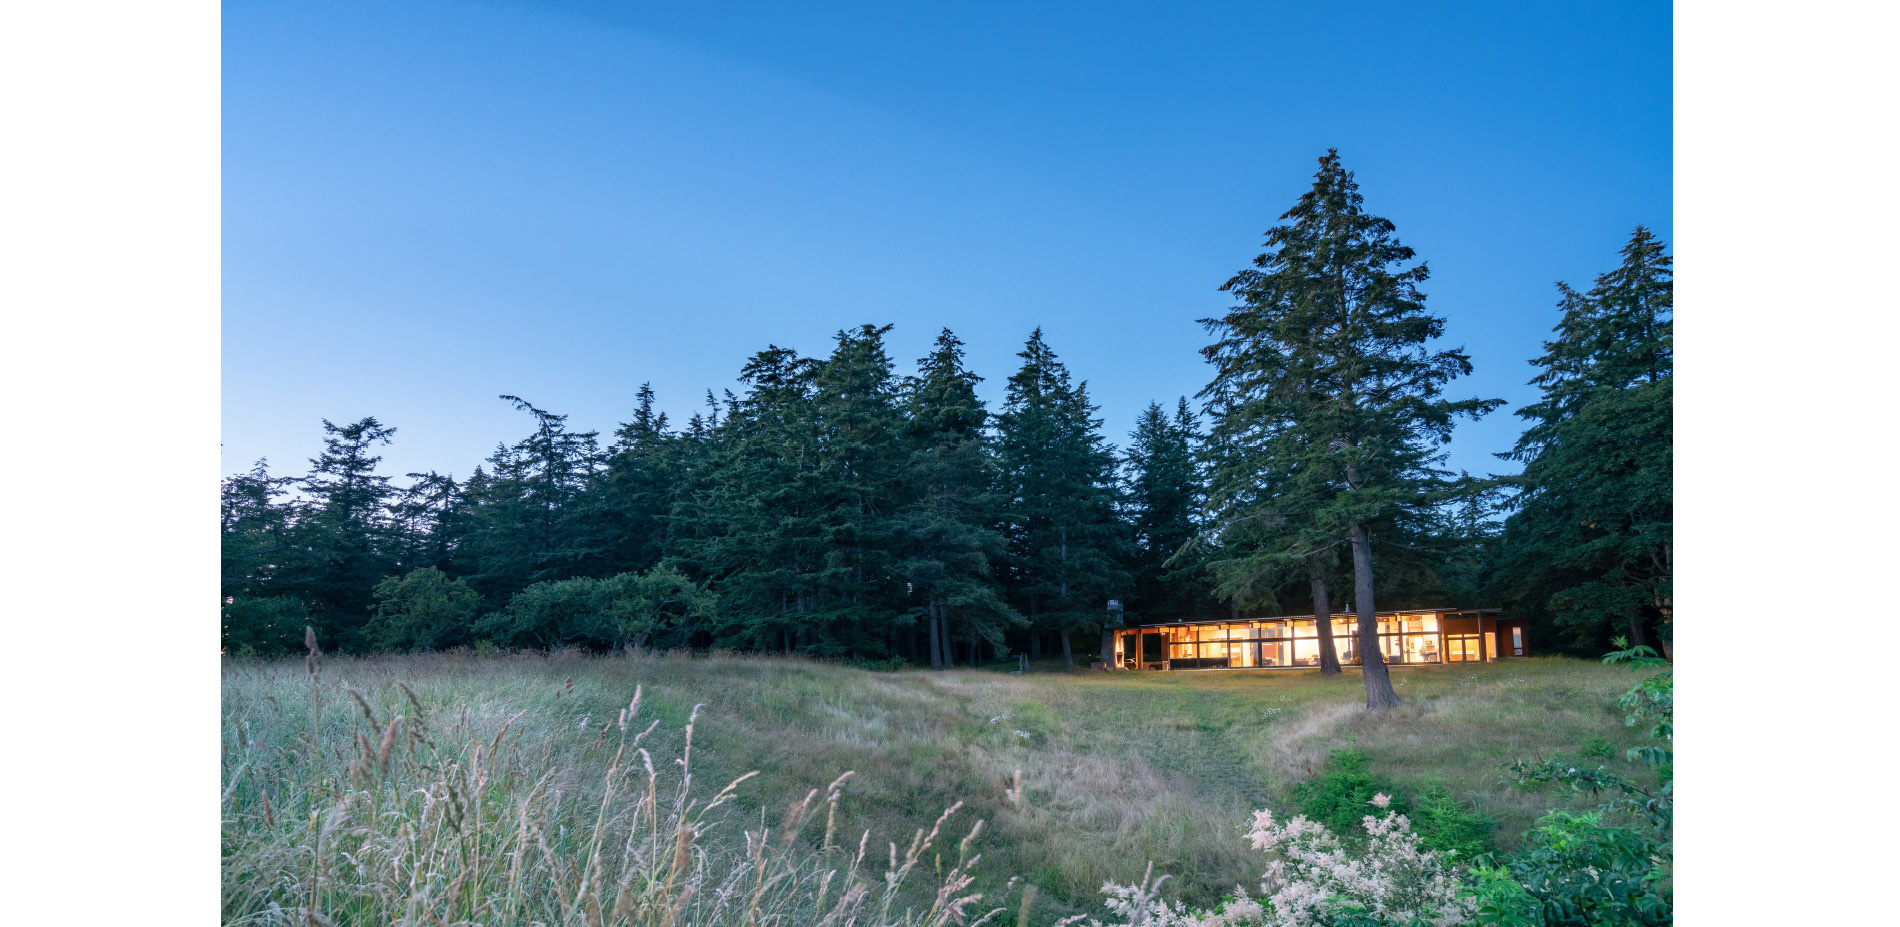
(1336, 616)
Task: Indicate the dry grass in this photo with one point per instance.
(497, 783)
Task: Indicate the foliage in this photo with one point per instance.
(641, 606)
(1164, 493)
(1584, 870)
(1587, 874)
(266, 626)
(1338, 796)
(422, 610)
(564, 613)
(1447, 824)
(1327, 398)
(1057, 481)
(1589, 542)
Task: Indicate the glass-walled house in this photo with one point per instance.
(1405, 637)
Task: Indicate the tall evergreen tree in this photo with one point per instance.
(752, 523)
(945, 532)
(343, 531)
(526, 518)
(1326, 360)
(1590, 539)
(427, 516)
(858, 483)
(1165, 492)
(624, 528)
(254, 529)
(1058, 483)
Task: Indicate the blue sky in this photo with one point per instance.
(427, 204)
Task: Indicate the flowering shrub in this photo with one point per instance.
(1312, 880)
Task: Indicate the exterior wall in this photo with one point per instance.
(1405, 638)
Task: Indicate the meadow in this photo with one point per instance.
(516, 788)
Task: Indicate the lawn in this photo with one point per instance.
(500, 755)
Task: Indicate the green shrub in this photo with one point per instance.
(1341, 795)
(1588, 875)
(266, 627)
(422, 610)
(1445, 823)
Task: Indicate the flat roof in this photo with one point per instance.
(1336, 616)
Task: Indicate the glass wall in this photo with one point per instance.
(1403, 638)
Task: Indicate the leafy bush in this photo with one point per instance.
(629, 608)
(422, 610)
(551, 614)
(1447, 825)
(1585, 874)
(265, 627)
(1338, 796)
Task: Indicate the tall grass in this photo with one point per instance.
(461, 789)
(434, 816)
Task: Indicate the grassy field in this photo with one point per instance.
(1116, 771)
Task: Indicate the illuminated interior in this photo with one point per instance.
(1422, 637)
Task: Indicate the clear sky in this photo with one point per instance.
(427, 204)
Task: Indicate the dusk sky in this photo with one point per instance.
(430, 204)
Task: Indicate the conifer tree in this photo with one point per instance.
(858, 486)
(525, 513)
(1590, 538)
(343, 530)
(624, 528)
(944, 534)
(1337, 396)
(1165, 492)
(427, 517)
(752, 523)
(1058, 484)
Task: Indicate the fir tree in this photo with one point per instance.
(1058, 483)
(343, 530)
(1590, 540)
(1165, 492)
(944, 534)
(858, 487)
(1336, 397)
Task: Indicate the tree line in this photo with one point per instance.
(835, 507)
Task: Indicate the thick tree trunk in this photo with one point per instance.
(1068, 658)
(1636, 630)
(1379, 694)
(1323, 615)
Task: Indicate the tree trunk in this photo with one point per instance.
(1035, 631)
(1323, 615)
(936, 638)
(1379, 694)
(1068, 658)
(1636, 630)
